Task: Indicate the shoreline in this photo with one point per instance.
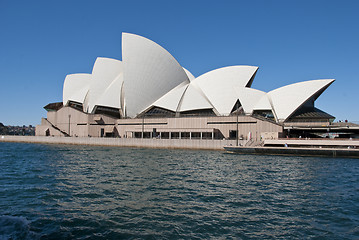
(125, 142)
(197, 144)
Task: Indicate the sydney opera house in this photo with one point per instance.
(150, 95)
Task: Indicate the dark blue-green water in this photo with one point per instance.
(88, 192)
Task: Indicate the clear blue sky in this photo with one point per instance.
(290, 41)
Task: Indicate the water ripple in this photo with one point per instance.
(83, 192)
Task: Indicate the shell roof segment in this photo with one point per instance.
(286, 100)
(111, 95)
(189, 74)
(172, 99)
(149, 72)
(263, 103)
(194, 99)
(249, 98)
(104, 72)
(76, 87)
(219, 85)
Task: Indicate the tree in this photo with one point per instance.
(3, 129)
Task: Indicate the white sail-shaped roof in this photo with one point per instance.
(219, 85)
(185, 97)
(104, 72)
(189, 74)
(149, 72)
(76, 87)
(149, 77)
(171, 100)
(194, 99)
(249, 97)
(286, 100)
(263, 103)
(111, 95)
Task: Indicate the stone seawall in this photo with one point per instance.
(126, 142)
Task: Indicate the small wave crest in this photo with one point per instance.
(15, 228)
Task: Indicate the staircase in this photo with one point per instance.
(249, 143)
(252, 143)
(264, 119)
(58, 129)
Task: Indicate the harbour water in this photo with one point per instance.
(93, 192)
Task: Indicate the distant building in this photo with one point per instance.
(149, 94)
(17, 130)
